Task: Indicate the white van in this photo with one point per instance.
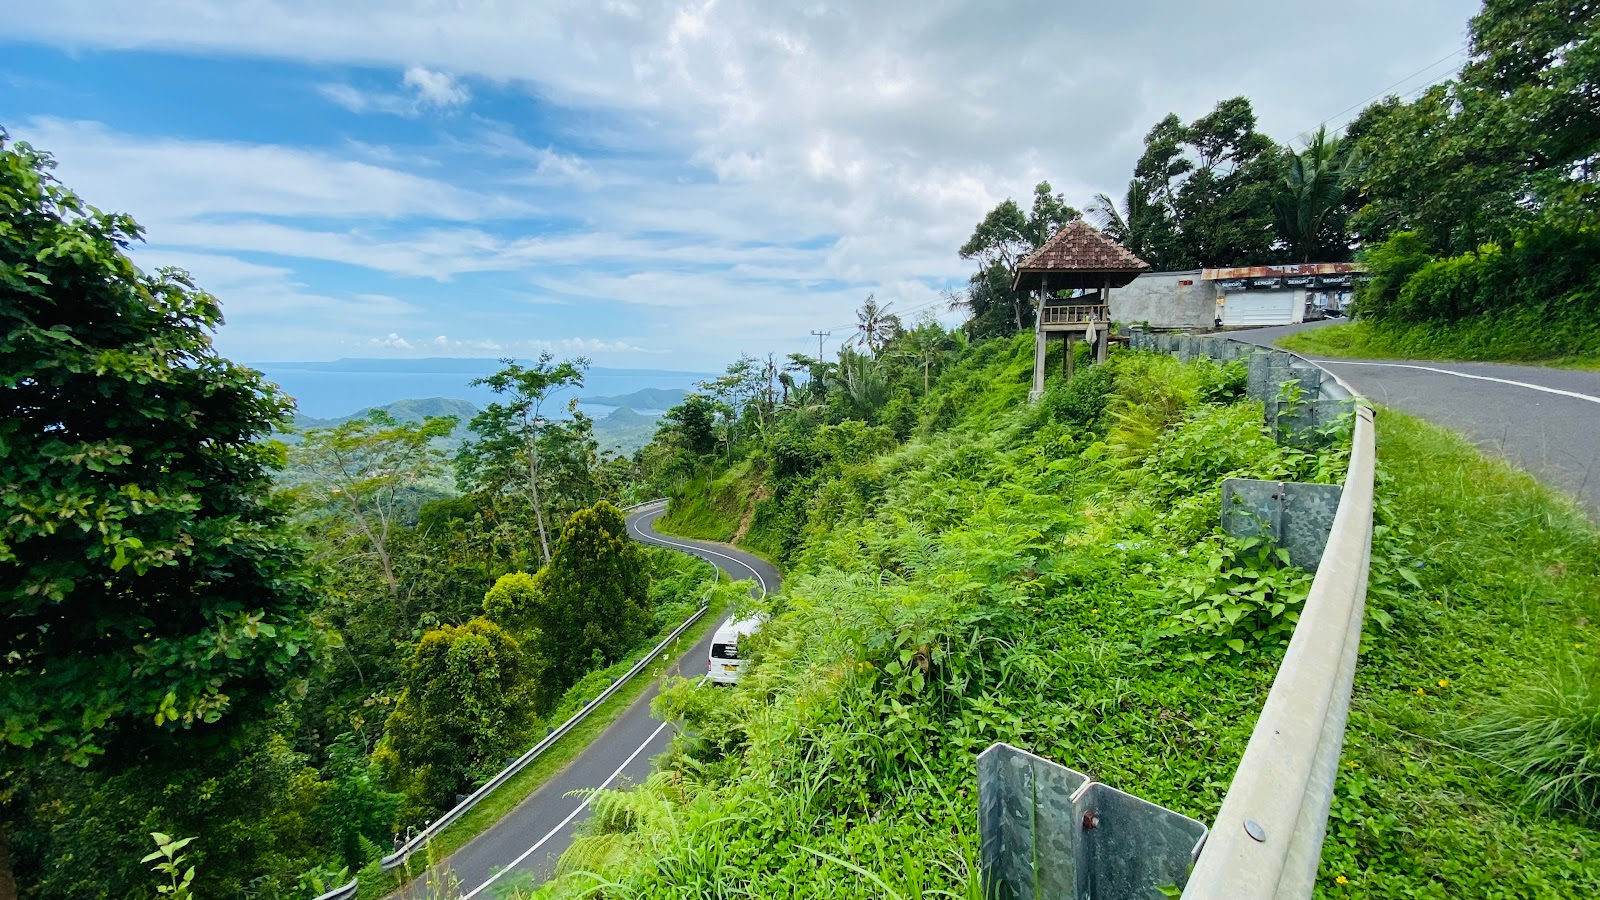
(725, 662)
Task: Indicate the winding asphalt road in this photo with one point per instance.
(1545, 420)
(525, 844)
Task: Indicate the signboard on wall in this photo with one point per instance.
(1325, 281)
(1232, 284)
(1266, 284)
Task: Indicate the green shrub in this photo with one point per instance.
(1548, 268)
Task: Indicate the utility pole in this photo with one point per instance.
(819, 335)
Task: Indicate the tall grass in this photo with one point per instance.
(1548, 736)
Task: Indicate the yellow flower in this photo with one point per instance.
(1096, 610)
(1421, 692)
(1342, 880)
(1444, 682)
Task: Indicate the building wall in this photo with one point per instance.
(1164, 300)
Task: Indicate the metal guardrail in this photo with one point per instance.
(419, 840)
(344, 892)
(1267, 839)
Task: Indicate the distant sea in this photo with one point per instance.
(327, 390)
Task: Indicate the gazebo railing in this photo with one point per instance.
(1074, 314)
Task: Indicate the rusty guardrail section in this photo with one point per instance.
(1266, 842)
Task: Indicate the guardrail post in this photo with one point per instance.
(1294, 515)
(1048, 831)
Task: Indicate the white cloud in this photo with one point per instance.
(422, 90)
(167, 179)
(818, 152)
(391, 341)
(435, 88)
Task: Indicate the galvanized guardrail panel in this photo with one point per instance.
(1049, 831)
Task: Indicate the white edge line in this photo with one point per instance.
(1534, 387)
(570, 816)
(652, 537)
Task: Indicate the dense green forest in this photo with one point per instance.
(285, 676)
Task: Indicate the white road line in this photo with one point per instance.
(1535, 387)
(652, 538)
(570, 816)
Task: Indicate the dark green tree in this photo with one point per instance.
(694, 419)
(1515, 138)
(592, 602)
(149, 585)
(466, 706)
(1202, 193)
(1000, 241)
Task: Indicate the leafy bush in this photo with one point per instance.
(1547, 268)
(1240, 596)
(1079, 403)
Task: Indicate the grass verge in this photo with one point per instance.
(1479, 340)
(712, 509)
(1493, 583)
(492, 809)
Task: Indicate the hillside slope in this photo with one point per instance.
(1044, 576)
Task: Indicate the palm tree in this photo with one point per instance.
(860, 381)
(1313, 188)
(875, 325)
(926, 344)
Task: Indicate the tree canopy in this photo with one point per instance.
(149, 582)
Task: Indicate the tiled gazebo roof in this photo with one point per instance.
(1079, 256)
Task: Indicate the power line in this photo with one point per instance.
(1448, 56)
(820, 336)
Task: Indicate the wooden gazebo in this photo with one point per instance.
(1082, 260)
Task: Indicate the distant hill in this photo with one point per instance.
(646, 398)
(625, 431)
(405, 411)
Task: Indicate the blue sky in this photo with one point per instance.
(661, 186)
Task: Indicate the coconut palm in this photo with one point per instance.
(875, 325)
(1313, 188)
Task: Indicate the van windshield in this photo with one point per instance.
(725, 651)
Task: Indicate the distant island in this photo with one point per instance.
(646, 398)
(332, 389)
(622, 430)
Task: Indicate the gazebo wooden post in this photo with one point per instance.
(1041, 342)
(1104, 343)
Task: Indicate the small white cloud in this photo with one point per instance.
(589, 345)
(391, 342)
(435, 88)
(427, 89)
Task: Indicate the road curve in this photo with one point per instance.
(1544, 420)
(528, 841)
